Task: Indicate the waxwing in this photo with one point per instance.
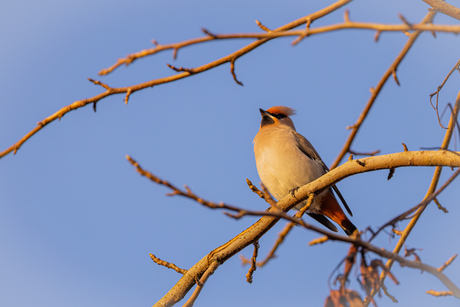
(286, 161)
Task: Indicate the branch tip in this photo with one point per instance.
(395, 77)
(346, 16)
(179, 69)
(440, 207)
(167, 264)
(391, 173)
(100, 83)
(253, 267)
(318, 240)
(128, 93)
(404, 20)
(232, 70)
(439, 293)
(175, 53)
(448, 262)
(205, 31)
(262, 26)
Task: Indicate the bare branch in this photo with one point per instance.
(261, 39)
(253, 233)
(262, 26)
(431, 190)
(423, 204)
(391, 173)
(319, 240)
(176, 191)
(167, 264)
(151, 83)
(232, 70)
(100, 83)
(372, 153)
(346, 147)
(439, 206)
(439, 293)
(456, 67)
(448, 262)
(253, 267)
(443, 7)
(128, 93)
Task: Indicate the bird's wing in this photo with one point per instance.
(307, 148)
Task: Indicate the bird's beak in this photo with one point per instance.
(262, 112)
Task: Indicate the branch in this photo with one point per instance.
(456, 67)
(253, 267)
(262, 38)
(282, 234)
(423, 204)
(270, 34)
(167, 264)
(176, 191)
(431, 190)
(443, 7)
(131, 89)
(254, 232)
(375, 92)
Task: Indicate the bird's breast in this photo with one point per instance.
(281, 165)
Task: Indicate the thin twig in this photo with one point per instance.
(253, 267)
(176, 191)
(456, 67)
(372, 153)
(439, 293)
(262, 26)
(232, 70)
(448, 262)
(169, 265)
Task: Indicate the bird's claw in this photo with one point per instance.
(292, 192)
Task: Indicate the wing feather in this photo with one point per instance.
(307, 148)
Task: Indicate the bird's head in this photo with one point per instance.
(278, 115)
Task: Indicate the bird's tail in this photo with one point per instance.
(331, 209)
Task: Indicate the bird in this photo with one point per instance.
(286, 160)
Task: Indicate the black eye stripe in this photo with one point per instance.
(278, 115)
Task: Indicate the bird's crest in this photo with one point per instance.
(281, 110)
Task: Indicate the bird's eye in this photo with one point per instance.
(278, 115)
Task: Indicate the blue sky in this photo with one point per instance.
(77, 223)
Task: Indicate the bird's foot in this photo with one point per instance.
(292, 192)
